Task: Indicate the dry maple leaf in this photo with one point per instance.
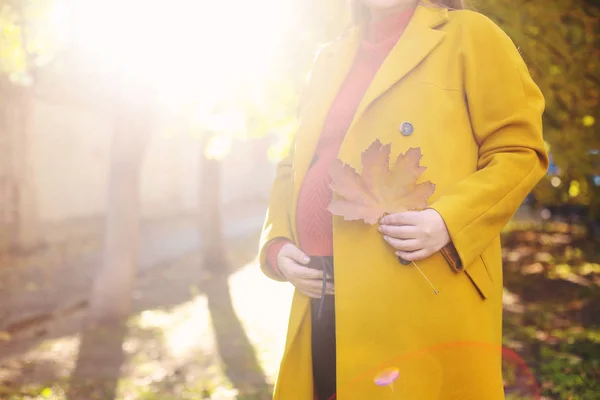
(378, 190)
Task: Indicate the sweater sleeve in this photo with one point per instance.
(273, 249)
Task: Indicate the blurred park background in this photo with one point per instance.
(138, 141)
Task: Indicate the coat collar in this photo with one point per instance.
(417, 41)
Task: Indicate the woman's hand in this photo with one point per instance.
(291, 262)
(415, 234)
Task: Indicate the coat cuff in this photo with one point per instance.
(451, 255)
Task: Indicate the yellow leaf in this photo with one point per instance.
(533, 30)
(588, 121)
(377, 190)
(574, 189)
(47, 392)
(563, 270)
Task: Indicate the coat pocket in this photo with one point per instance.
(480, 277)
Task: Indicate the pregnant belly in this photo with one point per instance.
(313, 220)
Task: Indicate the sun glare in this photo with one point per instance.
(187, 48)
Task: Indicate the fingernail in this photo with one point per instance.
(380, 228)
(387, 238)
(306, 260)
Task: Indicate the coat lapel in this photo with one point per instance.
(328, 76)
(418, 40)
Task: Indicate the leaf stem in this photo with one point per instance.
(428, 281)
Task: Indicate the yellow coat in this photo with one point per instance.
(476, 113)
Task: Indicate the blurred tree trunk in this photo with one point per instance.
(211, 233)
(101, 354)
(239, 360)
(19, 216)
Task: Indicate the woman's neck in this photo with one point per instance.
(378, 14)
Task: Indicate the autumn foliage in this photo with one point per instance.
(560, 42)
(379, 190)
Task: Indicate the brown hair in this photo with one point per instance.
(360, 12)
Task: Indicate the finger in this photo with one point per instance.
(316, 294)
(403, 218)
(297, 271)
(310, 294)
(330, 289)
(399, 232)
(291, 251)
(414, 255)
(314, 289)
(309, 285)
(404, 245)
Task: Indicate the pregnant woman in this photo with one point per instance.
(427, 75)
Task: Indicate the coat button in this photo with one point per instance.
(406, 128)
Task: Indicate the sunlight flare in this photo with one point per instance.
(187, 48)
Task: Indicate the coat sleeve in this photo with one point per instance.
(277, 222)
(505, 108)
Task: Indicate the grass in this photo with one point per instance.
(552, 313)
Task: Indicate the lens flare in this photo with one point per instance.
(387, 377)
